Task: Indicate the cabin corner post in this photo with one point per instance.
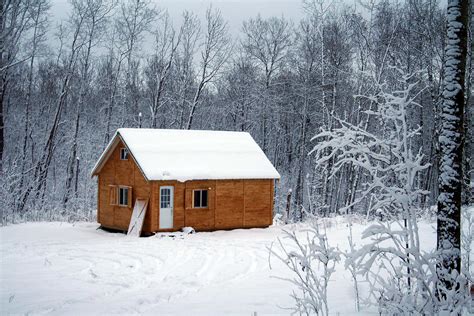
(98, 199)
(272, 201)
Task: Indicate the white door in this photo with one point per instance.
(166, 207)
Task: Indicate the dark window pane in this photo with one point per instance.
(204, 198)
(123, 154)
(123, 196)
(197, 198)
(165, 198)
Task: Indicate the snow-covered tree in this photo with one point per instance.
(386, 156)
(401, 275)
(451, 141)
(284, 80)
(312, 260)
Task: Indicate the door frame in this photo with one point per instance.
(171, 187)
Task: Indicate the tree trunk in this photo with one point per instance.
(194, 104)
(2, 84)
(451, 140)
(288, 206)
(72, 159)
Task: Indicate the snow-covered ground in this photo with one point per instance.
(63, 268)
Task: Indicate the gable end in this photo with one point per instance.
(107, 153)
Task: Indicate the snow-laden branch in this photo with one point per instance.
(401, 276)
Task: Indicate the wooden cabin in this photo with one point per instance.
(207, 180)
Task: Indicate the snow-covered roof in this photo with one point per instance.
(165, 154)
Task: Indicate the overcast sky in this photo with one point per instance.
(234, 11)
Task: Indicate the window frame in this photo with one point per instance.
(170, 196)
(207, 198)
(126, 191)
(122, 155)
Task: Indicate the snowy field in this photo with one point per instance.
(63, 268)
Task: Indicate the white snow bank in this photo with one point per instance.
(67, 269)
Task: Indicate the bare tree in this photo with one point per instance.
(216, 48)
(267, 42)
(96, 12)
(113, 66)
(184, 63)
(38, 12)
(159, 65)
(14, 20)
(134, 22)
(77, 19)
(306, 58)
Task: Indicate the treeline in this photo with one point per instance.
(283, 81)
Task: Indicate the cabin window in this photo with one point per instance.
(123, 154)
(123, 196)
(165, 198)
(199, 198)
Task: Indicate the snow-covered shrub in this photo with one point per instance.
(350, 265)
(403, 278)
(311, 260)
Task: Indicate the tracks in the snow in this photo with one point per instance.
(138, 273)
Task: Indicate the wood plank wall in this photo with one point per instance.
(121, 172)
(231, 203)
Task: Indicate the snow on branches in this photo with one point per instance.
(451, 143)
(388, 162)
(312, 262)
(403, 279)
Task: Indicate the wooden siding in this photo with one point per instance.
(258, 195)
(231, 203)
(200, 218)
(126, 173)
(178, 204)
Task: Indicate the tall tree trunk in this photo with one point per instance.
(29, 91)
(2, 83)
(112, 97)
(194, 104)
(72, 158)
(451, 140)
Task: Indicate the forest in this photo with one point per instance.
(65, 92)
(364, 108)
